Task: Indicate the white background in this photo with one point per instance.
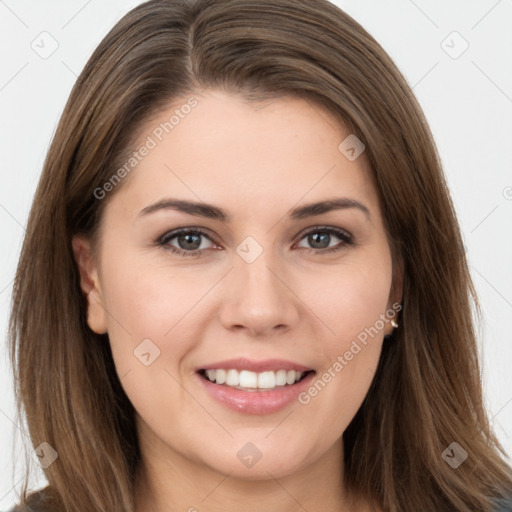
(467, 101)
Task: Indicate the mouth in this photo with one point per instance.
(246, 380)
(254, 387)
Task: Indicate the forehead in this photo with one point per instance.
(220, 148)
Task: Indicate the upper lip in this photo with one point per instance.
(243, 363)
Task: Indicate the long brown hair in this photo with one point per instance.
(427, 390)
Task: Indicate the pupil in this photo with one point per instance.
(316, 238)
(187, 237)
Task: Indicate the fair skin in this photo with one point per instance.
(256, 162)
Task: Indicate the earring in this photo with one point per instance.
(393, 323)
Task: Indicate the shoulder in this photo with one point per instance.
(28, 508)
(503, 505)
(37, 501)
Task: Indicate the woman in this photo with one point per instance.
(243, 279)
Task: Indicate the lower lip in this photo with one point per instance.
(256, 402)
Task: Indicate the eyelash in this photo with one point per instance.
(163, 241)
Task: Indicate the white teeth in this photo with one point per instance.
(252, 380)
(248, 379)
(280, 377)
(219, 376)
(233, 378)
(267, 380)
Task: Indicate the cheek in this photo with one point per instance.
(352, 299)
(152, 310)
(149, 298)
(145, 303)
(352, 304)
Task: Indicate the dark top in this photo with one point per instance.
(501, 506)
(504, 506)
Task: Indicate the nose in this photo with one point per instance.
(258, 298)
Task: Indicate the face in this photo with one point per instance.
(259, 285)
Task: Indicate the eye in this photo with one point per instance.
(187, 239)
(320, 238)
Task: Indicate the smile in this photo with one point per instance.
(253, 381)
(252, 386)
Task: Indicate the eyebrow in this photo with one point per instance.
(211, 211)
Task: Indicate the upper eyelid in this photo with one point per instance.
(333, 229)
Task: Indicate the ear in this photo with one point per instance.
(395, 294)
(90, 284)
